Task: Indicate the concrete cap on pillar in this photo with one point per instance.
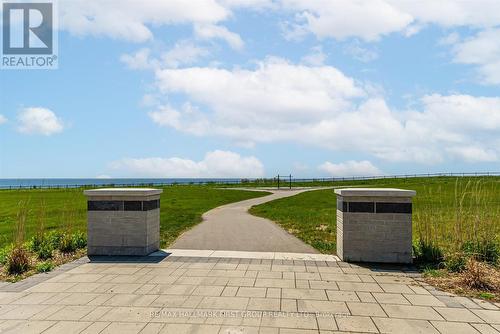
(374, 192)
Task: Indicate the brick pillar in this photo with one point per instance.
(374, 225)
(123, 221)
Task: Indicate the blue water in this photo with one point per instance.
(73, 183)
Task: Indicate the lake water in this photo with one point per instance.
(72, 183)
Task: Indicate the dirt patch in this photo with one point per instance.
(477, 280)
(58, 259)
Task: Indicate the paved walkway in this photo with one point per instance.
(197, 292)
(231, 227)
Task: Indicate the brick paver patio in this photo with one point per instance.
(236, 292)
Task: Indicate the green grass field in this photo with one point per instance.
(181, 208)
(446, 212)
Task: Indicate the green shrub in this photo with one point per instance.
(66, 244)
(79, 239)
(18, 261)
(54, 238)
(45, 250)
(44, 267)
(484, 250)
(456, 262)
(4, 254)
(34, 243)
(427, 253)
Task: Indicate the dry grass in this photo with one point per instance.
(58, 259)
(478, 279)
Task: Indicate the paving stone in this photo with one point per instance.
(294, 321)
(68, 327)
(366, 297)
(342, 296)
(274, 283)
(485, 329)
(229, 291)
(326, 323)
(24, 327)
(457, 314)
(124, 328)
(97, 313)
(406, 326)
(321, 306)
(71, 313)
(366, 309)
(22, 312)
(391, 298)
(396, 288)
(308, 276)
(364, 287)
(264, 304)
(45, 313)
(224, 303)
(419, 290)
(152, 328)
(206, 290)
(273, 293)
(424, 300)
(323, 285)
(411, 312)
(137, 297)
(454, 327)
(131, 314)
(309, 294)
(242, 281)
(340, 277)
(490, 316)
(251, 292)
(297, 331)
(356, 324)
(289, 305)
(302, 284)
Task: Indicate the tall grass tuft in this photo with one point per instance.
(18, 260)
(470, 230)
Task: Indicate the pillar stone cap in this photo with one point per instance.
(123, 192)
(374, 192)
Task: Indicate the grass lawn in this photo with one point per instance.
(446, 211)
(181, 208)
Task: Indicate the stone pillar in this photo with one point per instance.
(123, 221)
(374, 225)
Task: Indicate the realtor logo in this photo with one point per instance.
(29, 37)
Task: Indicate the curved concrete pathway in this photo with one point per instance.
(230, 227)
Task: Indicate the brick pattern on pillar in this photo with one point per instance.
(374, 225)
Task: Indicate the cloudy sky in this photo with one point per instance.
(251, 88)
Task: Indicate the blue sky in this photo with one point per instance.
(251, 88)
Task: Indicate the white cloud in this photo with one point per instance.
(39, 121)
(140, 60)
(3, 119)
(360, 53)
(350, 168)
(341, 19)
(130, 19)
(320, 106)
(182, 53)
(211, 31)
(222, 164)
(482, 50)
(316, 57)
(369, 20)
(473, 154)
